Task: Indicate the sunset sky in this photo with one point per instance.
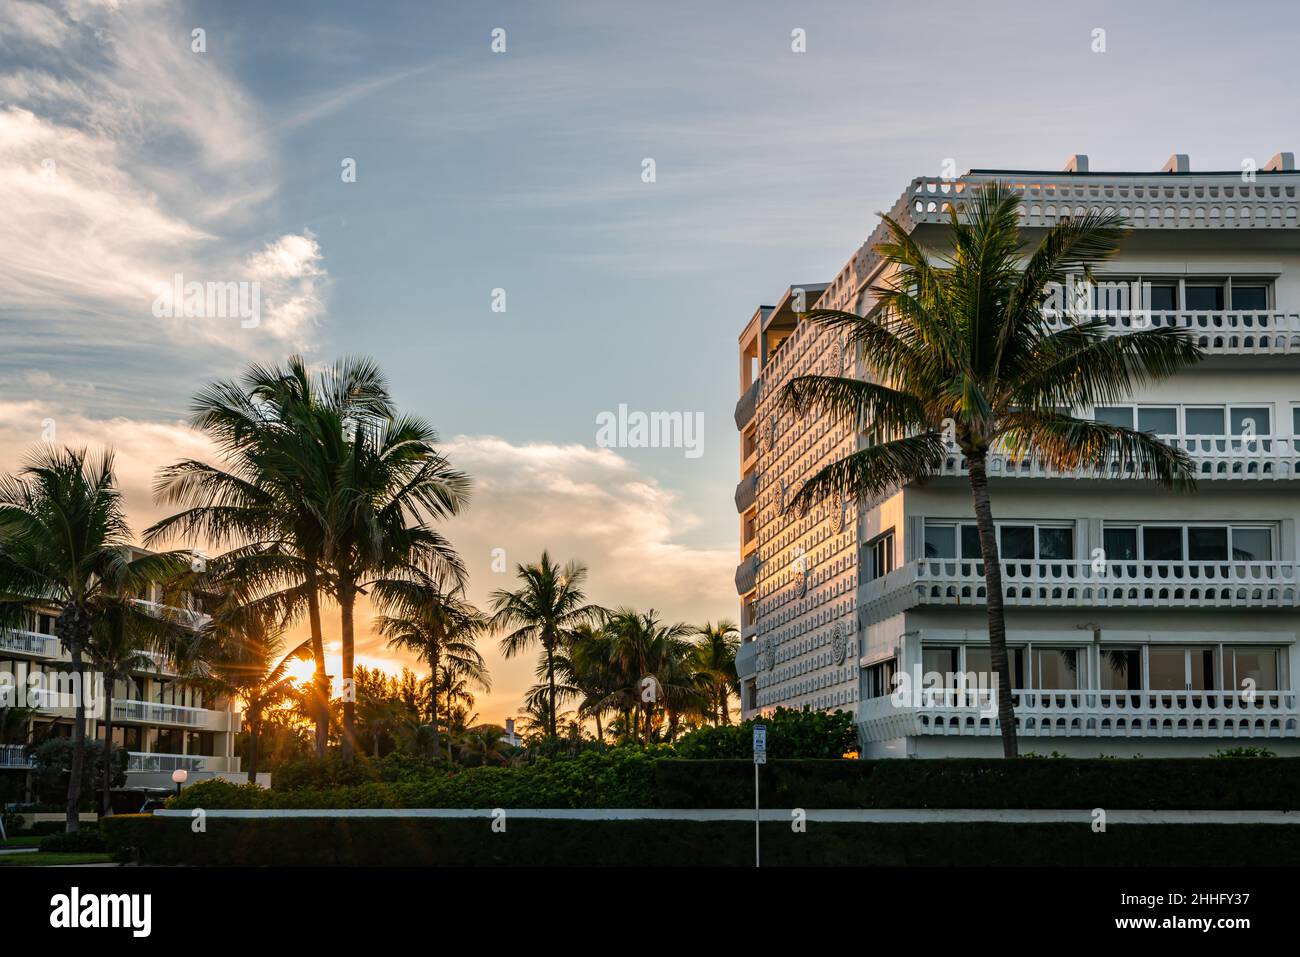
(126, 158)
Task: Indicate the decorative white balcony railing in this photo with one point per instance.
(1217, 333)
(1146, 201)
(154, 713)
(148, 761)
(1087, 713)
(29, 643)
(11, 756)
(1079, 584)
(1215, 457)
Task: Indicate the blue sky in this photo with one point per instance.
(130, 157)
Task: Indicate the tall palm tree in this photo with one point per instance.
(547, 606)
(64, 542)
(253, 666)
(588, 674)
(440, 628)
(653, 662)
(715, 665)
(268, 499)
(959, 349)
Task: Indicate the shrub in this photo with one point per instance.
(790, 734)
(1244, 752)
(85, 840)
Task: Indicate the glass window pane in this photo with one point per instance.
(1252, 545)
(1204, 421)
(1017, 542)
(1057, 667)
(1162, 543)
(1207, 544)
(940, 541)
(1251, 421)
(1162, 297)
(1121, 669)
(1056, 543)
(979, 663)
(1204, 297)
(936, 665)
(1114, 415)
(1258, 665)
(1249, 298)
(1168, 667)
(1120, 544)
(1203, 670)
(1158, 421)
(970, 542)
(1295, 420)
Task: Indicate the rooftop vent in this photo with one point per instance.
(1178, 163)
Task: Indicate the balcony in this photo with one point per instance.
(1215, 457)
(1069, 584)
(29, 643)
(149, 712)
(747, 405)
(747, 492)
(1086, 714)
(747, 575)
(11, 756)
(1217, 333)
(148, 761)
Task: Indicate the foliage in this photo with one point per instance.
(53, 769)
(85, 840)
(790, 734)
(1244, 751)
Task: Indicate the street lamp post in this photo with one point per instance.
(180, 776)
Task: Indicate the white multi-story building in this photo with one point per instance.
(1139, 620)
(164, 724)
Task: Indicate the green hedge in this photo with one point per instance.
(636, 779)
(427, 842)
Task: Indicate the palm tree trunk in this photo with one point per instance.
(78, 744)
(254, 731)
(550, 680)
(433, 708)
(723, 695)
(320, 704)
(600, 733)
(107, 803)
(347, 600)
(979, 486)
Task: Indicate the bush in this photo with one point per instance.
(53, 770)
(85, 840)
(428, 842)
(790, 734)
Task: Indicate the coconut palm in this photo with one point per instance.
(272, 499)
(653, 662)
(959, 349)
(253, 666)
(440, 629)
(715, 666)
(547, 606)
(64, 542)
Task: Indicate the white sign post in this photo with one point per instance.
(760, 757)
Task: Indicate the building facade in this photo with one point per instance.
(163, 724)
(1139, 620)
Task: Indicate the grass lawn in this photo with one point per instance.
(34, 841)
(46, 860)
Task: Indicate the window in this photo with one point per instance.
(880, 555)
(1059, 668)
(1250, 420)
(1194, 543)
(1120, 544)
(1158, 420)
(1204, 421)
(1204, 296)
(1114, 415)
(936, 665)
(880, 679)
(1162, 543)
(1252, 544)
(1162, 296)
(1121, 669)
(1249, 297)
(1259, 665)
(940, 541)
(1177, 668)
(1015, 542)
(979, 662)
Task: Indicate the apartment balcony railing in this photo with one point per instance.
(151, 712)
(1086, 713)
(1216, 333)
(747, 405)
(148, 761)
(29, 643)
(1075, 584)
(1215, 457)
(12, 756)
(747, 574)
(747, 492)
(1146, 201)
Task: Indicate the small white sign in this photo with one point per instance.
(760, 744)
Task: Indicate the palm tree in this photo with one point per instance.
(269, 499)
(440, 628)
(64, 542)
(653, 661)
(960, 350)
(587, 673)
(253, 666)
(544, 610)
(715, 666)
